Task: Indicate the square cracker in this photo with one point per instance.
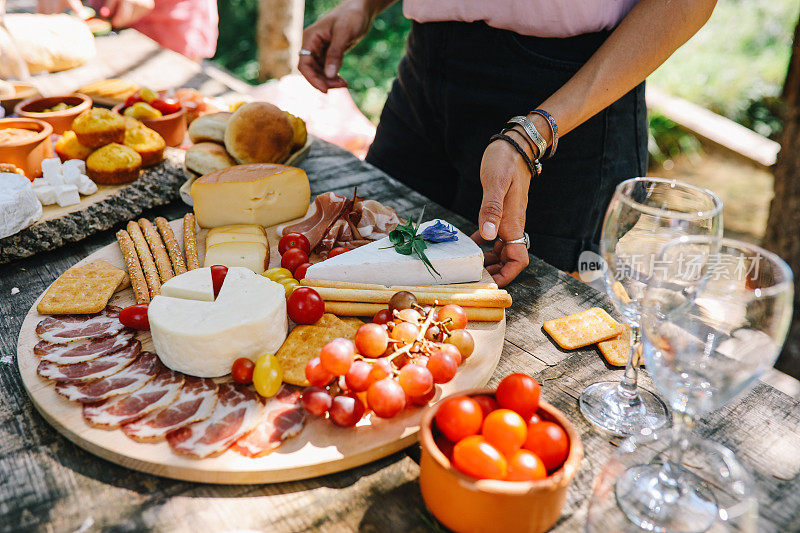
(582, 329)
(616, 349)
(80, 290)
(304, 343)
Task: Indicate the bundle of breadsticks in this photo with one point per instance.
(153, 255)
(480, 300)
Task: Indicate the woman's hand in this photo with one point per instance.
(329, 38)
(505, 179)
(125, 13)
(59, 6)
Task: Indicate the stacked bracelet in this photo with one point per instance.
(534, 166)
(531, 132)
(553, 129)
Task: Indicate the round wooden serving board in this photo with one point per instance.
(321, 448)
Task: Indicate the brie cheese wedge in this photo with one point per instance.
(192, 285)
(19, 207)
(204, 338)
(457, 261)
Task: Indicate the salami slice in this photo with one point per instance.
(99, 368)
(129, 380)
(157, 394)
(196, 402)
(81, 351)
(238, 411)
(283, 417)
(71, 328)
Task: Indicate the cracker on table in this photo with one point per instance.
(79, 290)
(582, 329)
(304, 343)
(616, 349)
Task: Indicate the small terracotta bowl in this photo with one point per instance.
(172, 127)
(22, 91)
(28, 154)
(60, 120)
(463, 503)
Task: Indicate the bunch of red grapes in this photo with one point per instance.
(395, 361)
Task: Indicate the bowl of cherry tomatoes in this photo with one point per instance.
(497, 460)
(158, 111)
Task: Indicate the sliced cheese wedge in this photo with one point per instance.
(250, 229)
(193, 285)
(252, 255)
(218, 238)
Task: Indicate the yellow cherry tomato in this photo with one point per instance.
(267, 375)
(148, 95)
(278, 273)
(289, 285)
(142, 111)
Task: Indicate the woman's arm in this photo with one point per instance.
(645, 38)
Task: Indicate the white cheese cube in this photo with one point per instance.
(86, 186)
(77, 163)
(67, 195)
(71, 175)
(40, 182)
(46, 194)
(192, 285)
(51, 171)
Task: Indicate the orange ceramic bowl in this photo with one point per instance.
(465, 504)
(22, 91)
(60, 120)
(28, 153)
(172, 127)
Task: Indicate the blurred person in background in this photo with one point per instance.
(471, 65)
(189, 27)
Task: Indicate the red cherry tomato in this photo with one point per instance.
(305, 305)
(135, 317)
(519, 393)
(294, 240)
(525, 466)
(477, 458)
(218, 273)
(300, 271)
(459, 417)
(487, 403)
(338, 250)
(242, 370)
(382, 317)
(132, 99)
(293, 258)
(549, 442)
(167, 105)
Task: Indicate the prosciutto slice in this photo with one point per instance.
(81, 351)
(329, 206)
(238, 411)
(283, 417)
(157, 394)
(71, 328)
(99, 368)
(195, 402)
(129, 380)
(376, 220)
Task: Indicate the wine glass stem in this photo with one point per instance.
(628, 384)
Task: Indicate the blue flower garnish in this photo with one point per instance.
(439, 232)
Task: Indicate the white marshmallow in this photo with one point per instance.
(86, 186)
(51, 170)
(46, 194)
(67, 195)
(71, 175)
(77, 163)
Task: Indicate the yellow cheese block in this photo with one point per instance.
(263, 194)
(252, 255)
(218, 238)
(249, 229)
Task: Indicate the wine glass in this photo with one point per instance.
(708, 337)
(644, 214)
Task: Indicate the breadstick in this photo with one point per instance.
(171, 243)
(480, 298)
(157, 248)
(455, 287)
(492, 314)
(189, 242)
(146, 258)
(134, 268)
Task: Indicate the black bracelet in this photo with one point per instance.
(534, 150)
(553, 129)
(534, 167)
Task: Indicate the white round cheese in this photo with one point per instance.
(203, 339)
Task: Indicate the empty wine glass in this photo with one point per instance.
(644, 214)
(709, 334)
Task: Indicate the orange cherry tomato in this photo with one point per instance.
(477, 458)
(505, 430)
(519, 393)
(459, 417)
(525, 466)
(549, 441)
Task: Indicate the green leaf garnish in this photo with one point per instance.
(406, 240)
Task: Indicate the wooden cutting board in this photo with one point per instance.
(321, 448)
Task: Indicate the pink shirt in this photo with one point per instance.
(188, 27)
(541, 18)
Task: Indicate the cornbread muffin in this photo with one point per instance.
(68, 147)
(96, 127)
(299, 131)
(114, 164)
(147, 143)
(259, 132)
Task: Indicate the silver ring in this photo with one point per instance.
(525, 239)
(304, 52)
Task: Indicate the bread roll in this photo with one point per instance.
(49, 43)
(209, 127)
(207, 157)
(300, 135)
(259, 132)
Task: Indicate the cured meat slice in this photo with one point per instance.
(329, 206)
(85, 350)
(129, 380)
(157, 394)
(238, 411)
(283, 417)
(71, 328)
(99, 368)
(196, 402)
